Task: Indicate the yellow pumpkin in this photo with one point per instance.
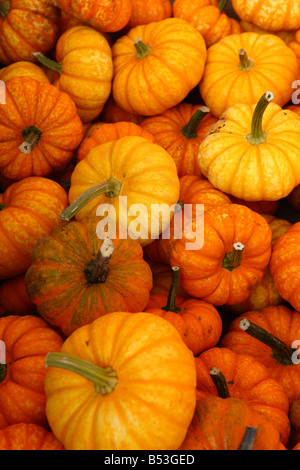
(253, 152)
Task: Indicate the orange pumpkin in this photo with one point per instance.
(208, 17)
(26, 27)
(112, 112)
(23, 68)
(162, 278)
(39, 129)
(29, 210)
(147, 11)
(27, 341)
(286, 36)
(28, 436)
(14, 298)
(150, 64)
(180, 130)
(262, 207)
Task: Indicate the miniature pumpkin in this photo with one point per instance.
(75, 276)
(85, 69)
(262, 207)
(162, 278)
(252, 152)
(23, 68)
(29, 210)
(131, 385)
(28, 436)
(147, 11)
(112, 112)
(150, 64)
(39, 129)
(27, 340)
(286, 36)
(241, 67)
(14, 298)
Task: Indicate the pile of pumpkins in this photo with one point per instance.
(118, 330)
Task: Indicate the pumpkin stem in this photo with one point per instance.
(31, 136)
(190, 129)
(281, 352)
(245, 63)
(248, 440)
(103, 379)
(49, 63)
(3, 370)
(97, 270)
(257, 134)
(220, 382)
(111, 188)
(233, 260)
(171, 307)
(142, 50)
(222, 4)
(4, 8)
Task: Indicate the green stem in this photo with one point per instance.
(257, 135)
(171, 307)
(233, 260)
(142, 50)
(49, 63)
(220, 382)
(281, 352)
(245, 62)
(111, 188)
(190, 129)
(97, 270)
(3, 370)
(4, 8)
(104, 380)
(31, 136)
(222, 4)
(249, 438)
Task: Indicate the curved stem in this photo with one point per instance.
(233, 260)
(31, 136)
(142, 50)
(104, 380)
(190, 129)
(220, 382)
(245, 62)
(257, 135)
(281, 352)
(49, 63)
(249, 438)
(171, 307)
(222, 4)
(97, 270)
(111, 188)
(4, 8)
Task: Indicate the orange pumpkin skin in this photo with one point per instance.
(294, 44)
(195, 190)
(162, 278)
(23, 69)
(269, 15)
(28, 436)
(112, 112)
(26, 27)
(262, 207)
(284, 267)
(14, 298)
(220, 424)
(147, 11)
(209, 272)
(198, 323)
(150, 64)
(205, 15)
(283, 323)
(29, 211)
(27, 341)
(106, 132)
(182, 146)
(51, 278)
(38, 111)
(105, 16)
(247, 379)
(286, 36)
(277, 226)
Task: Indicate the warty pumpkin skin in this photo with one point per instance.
(241, 67)
(29, 210)
(150, 64)
(28, 436)
(252, 152)
(72, 283)
(39, 129)
(26, 26)
(27, 341)
(141, 395)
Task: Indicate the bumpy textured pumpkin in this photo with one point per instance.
(224, 373)
(180, 130)
(133, 167)
(231, 260)
(14, 298)
(23, 68)
(74, 277)
(85, 68)
(268, 336)
(208, 17)
(29, 210)
(141, 394)
(270, 15)
(286, 36)
(26, 27)
(221, 424)
(39, 129)
(198, 322)
(284, 265)
(241, 67)
(150, 64)
(27, 340)
(147, 11)
(28, 436)
(253, 151)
